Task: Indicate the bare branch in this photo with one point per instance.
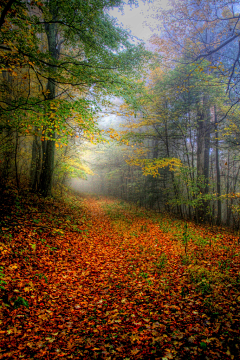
(234, 66)
(218, 48)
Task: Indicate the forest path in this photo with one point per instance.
(121, 284)
(99, 278)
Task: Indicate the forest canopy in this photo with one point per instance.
(59, 62)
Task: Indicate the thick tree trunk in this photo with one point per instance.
(7, 156)
(8, 133)
(45, 186)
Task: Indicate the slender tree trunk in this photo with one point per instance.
(203, 147)
(35, 168)
(15, 159)
(235, 177)
(176, 193)
(219, 204)
(188, 208)
(228, 190)
(7, 156)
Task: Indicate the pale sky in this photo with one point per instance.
(140, 20)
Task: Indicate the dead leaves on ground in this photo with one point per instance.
(101, 279)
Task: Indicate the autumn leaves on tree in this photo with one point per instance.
(61, 57)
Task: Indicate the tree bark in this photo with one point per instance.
(35, 168)
(219, 204)
(228, 191)
(45, 186)
(5, 10)
(203, 147)
(8, 133)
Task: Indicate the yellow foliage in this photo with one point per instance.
(80, 166)
(152, 166)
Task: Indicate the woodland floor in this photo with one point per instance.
(96, 278)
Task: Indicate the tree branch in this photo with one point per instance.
(234, 66)
(4, 12)
(218, 48)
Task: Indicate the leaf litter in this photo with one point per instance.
(95, 278)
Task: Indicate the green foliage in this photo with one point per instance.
(7, 237)
(186, 260)
(40, 276)
(184, 291)
(20, 302)
(2, 282)
(161, 263)
(144, 275)
(33, 246)
(224, 265)
(202, 278)
(185, 237)
(203, 345)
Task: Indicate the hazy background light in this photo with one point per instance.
(141, 20)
